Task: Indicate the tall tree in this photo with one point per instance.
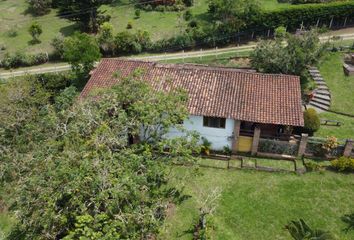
(39, 7)
(85, 12)
(35, 30)
(231, 15)
(82, 179)
(289, 55)
(81, 51)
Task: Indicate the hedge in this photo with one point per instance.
(307, 14)
(20, 59)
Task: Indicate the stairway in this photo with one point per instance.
(322, 96)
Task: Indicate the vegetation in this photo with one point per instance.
(257, 205)
(345, 131)
(84, 12)
(81, 51)
(103, 184)
(292, 58)
(39, 7)
(312, 121)
(35, 30)
(340, 85)
(299, 230)
(343, 164)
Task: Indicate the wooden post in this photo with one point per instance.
(255, 142)
(345, 21)
(303, 144)
(295, 166)
(348, 148)
(318, 23)
(237, 126)
(331, 23)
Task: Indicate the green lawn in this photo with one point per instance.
(345, 131)
(341, 86)
(13, 18)
(257, 205)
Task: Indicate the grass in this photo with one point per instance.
(341, 86)
(257, 205)
(13, 18)
(345, 131)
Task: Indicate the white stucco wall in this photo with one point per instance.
(219, 137)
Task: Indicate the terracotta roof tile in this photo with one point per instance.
(218, 92)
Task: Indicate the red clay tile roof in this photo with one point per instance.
(216, 92)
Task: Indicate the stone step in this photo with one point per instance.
(322, 92)
(314, 71)
(313, 68)
(314, 75)
(322, 87)
(321, 101)
(319, 105)
(322, 97)
(321, 83)
(318, 79)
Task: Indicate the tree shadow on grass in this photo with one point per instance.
(34, 42)
(69, 30)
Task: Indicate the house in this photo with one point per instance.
(227, 106)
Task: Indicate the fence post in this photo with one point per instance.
(348, 148)
(303, 144)
(255, 142)
(331, 23)
(345, 21)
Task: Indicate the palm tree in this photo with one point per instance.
(299, 230)
(349, 219)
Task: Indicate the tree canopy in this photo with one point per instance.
(79, 172)
(288, 55)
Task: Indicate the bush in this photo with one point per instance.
(137, 13)
(129, 25)
(312, 121)
(39, 7)
(58, 45)
(343, 164)
(20, 59)
(309, 14)
(312, 166)
(187, 15)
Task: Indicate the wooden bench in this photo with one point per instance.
(331, 122)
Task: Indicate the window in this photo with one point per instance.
(214, 122)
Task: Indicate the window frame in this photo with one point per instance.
(214, 122)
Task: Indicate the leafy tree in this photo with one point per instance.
(105, 38)
(299, 230)
(39, 7)
(35, 30)
(291, 58)
(81, 51)
(82, 178)
(312, 121)
(85, 12)
(232, 15)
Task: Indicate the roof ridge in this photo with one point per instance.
(199, 66)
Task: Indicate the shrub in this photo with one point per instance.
(188, 3)
(35, 30)
(343, 164)
(20, 59)
(312, 121)
(312, 166)
(226, 150)
(39, 7)
(187, 15)
(137, 13)
(330, 144)
(58, 45)
(206, 145)
(193, 23)
(300, 230)
(129, 25)
(293, 17)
